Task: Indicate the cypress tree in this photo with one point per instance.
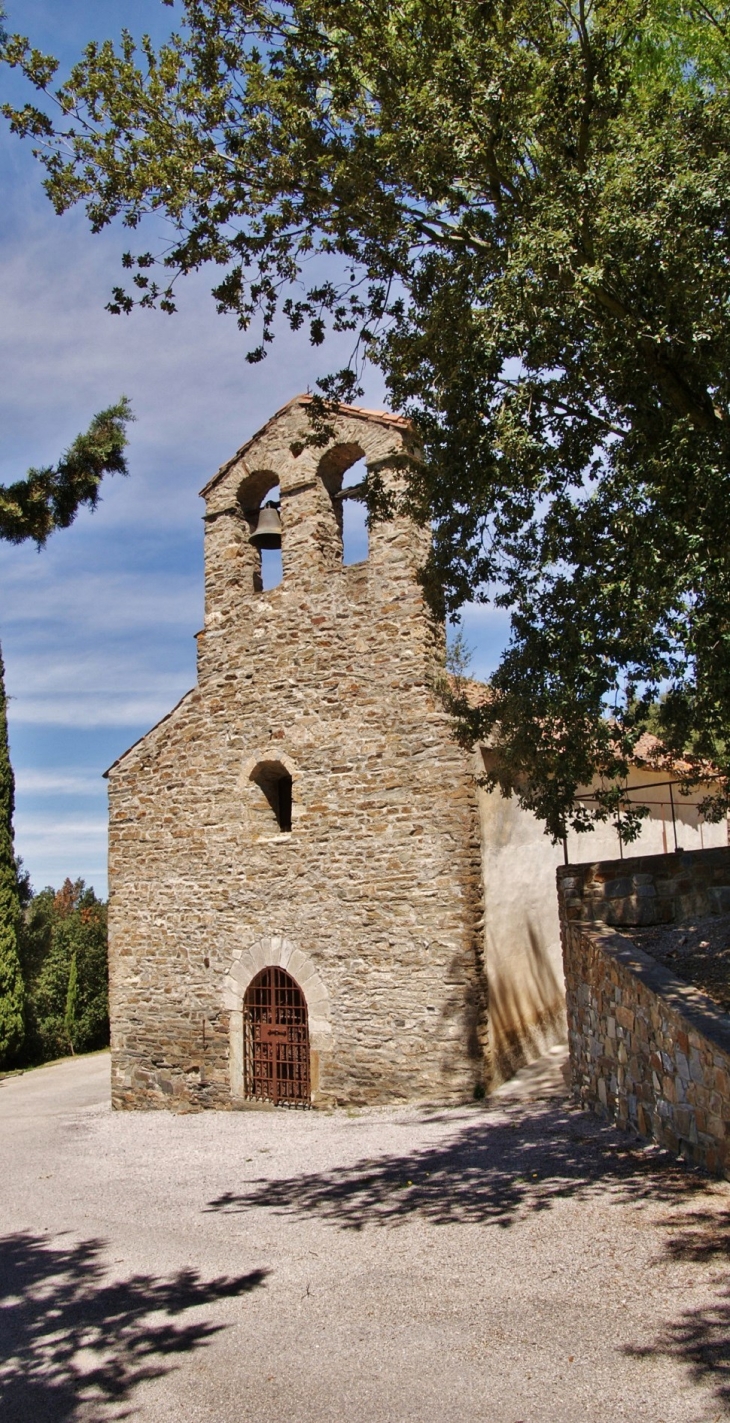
(11, 979)
(72, 997)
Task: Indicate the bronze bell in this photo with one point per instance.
(267, 533)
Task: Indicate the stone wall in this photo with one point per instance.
(374, 899)
(648, 1050)
(647, 889)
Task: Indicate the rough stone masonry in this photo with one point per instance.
(647, 1049)
(372, 901)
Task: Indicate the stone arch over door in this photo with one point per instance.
(274, 951)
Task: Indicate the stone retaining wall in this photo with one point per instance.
(650, 889)
(648, 1050)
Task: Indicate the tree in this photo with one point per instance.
(63, 949)
(50, 498)
(525, 212)
(32, 508)
(12, 996)
(72, 1002)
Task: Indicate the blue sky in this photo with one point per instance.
(97, 630)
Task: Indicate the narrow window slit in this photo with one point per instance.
(275, 783)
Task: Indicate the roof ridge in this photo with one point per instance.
(357, 412)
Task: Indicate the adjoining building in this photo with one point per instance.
(300, 855)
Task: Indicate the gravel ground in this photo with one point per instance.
(699, 953)
(512, 1262)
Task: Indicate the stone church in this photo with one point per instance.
(313, 900)
(296, 908)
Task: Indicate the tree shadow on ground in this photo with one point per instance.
(74, 1343)
(699, 1337)
(504, 1164)
(495, 1169)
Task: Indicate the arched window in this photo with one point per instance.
(275, 784)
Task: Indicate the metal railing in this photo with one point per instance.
(646, 786)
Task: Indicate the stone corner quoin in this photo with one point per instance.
(364, 885)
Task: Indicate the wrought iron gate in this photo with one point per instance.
(276, 1040)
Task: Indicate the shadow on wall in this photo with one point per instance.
(526, 1008)
(463, 1017)
(71, 1339)
(498, 1172)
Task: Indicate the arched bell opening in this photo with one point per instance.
(260, 501)
(355, 535)
(276, 1055)
(343, 472)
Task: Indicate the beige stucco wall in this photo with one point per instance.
(523, 956)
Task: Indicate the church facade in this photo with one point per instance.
(296, 896)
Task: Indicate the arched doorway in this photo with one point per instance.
(276, 1040)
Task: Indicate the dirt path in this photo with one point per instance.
(513, 1263)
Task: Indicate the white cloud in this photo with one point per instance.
(118, 667)
(72, 847)
(54, 595)
(91, 710)
(44, 830)
(31, 782)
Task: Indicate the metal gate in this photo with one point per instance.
(276, 1040)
